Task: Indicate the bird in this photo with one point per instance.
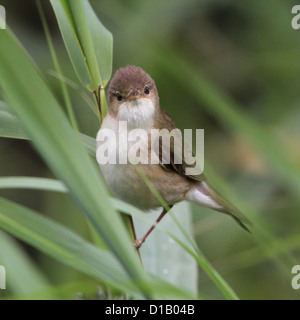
(133, 99)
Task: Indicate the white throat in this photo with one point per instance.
(138, 113)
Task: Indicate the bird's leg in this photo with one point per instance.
(138, 242)
(133, 234)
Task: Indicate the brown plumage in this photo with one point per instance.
(127, 79)
(133, 97)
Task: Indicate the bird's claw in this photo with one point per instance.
(137, 243)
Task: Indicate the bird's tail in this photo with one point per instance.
(218, 203)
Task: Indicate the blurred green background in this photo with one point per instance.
(229, 67)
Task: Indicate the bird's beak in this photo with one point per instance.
(134, 95)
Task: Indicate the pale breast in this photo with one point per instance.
(124, 180)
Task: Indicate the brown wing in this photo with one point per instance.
(181, 169)
(174, 157)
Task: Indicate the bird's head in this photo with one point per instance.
(132, 96)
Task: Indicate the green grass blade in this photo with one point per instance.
(61, 244)
(69, 291)
(67, 28)
(67, 247)
(57, 67)
(32, 183)
(87, 40)
(61, 149)
(10, 125)
(230, 114)
(162, 256)
(53, 185)
(77, 88)
(96, 41)
(210, 271)
(23, 276)
(195, 251)
(186, 268)
(89, 143)
(263, 235)
(228, 292)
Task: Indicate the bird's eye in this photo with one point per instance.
(119, 96)
(146, 90)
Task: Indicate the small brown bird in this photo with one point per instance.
(133, 97)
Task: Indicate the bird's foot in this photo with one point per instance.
(137, 243)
